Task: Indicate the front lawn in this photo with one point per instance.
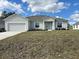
(62, 44)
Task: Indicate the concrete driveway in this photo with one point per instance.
(4, 35)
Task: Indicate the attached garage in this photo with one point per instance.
(16, 23)
(16, 26)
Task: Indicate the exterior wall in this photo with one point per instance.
(65, 25)
(56, 23)
(75, 27)
(53, 25)
(41, 21)
(32, 24)
(16, 19)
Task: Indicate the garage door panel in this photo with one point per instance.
(16, 26)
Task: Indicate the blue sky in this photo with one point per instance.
(68, 9)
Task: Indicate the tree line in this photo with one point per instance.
(5, 14)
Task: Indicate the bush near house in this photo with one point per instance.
(2, 29)
(61, 29)
(36, 30)
(41, 45)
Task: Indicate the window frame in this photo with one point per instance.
(37, 25)
(59, 24)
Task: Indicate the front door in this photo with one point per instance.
(48, 25)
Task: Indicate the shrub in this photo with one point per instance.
(63, 29)
(36, 30)
(2, 29)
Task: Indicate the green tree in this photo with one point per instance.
(6, 14)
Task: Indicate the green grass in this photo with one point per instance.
(41, 45)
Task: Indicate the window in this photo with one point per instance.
(59, 24)
(37, 25)
(76, 26)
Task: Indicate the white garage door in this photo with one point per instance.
(16, 27)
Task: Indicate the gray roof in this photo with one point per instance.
(61, 19)
(45, 16)
(41, 16)
(77, 23)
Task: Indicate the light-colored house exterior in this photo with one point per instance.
(61, 23)
(19, 23)
(41, 22)
(16, 23)
(76, 26)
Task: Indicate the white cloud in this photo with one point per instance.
(46, 5)
(4, 4)
(24, 1)
(75, 16)
(58, 17)
(71, 23)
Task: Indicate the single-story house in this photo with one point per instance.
(76, 26)
(18, 23)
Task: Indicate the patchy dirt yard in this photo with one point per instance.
(41, 45)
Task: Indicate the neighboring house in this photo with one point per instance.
(19, 23)
(76, 26)
(2, 24)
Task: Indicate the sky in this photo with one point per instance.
(67, 9)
